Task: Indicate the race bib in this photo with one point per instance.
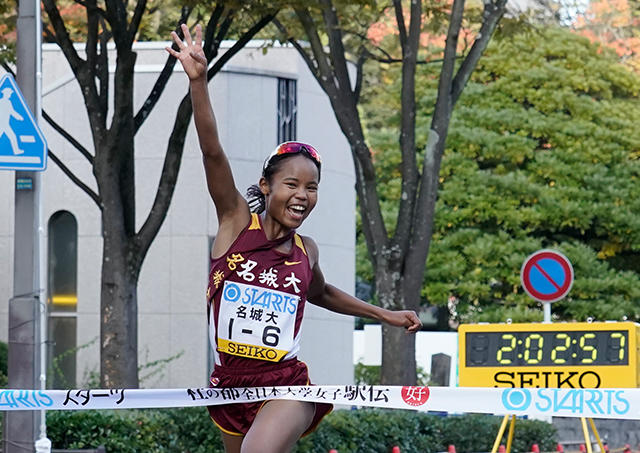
(256, 322)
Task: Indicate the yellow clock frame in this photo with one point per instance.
(539, 355)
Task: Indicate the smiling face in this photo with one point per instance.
(292, 191)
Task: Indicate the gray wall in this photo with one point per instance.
(616, 433)
(174, 276)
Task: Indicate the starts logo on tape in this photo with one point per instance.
(580, 402)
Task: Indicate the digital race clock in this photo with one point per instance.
(569, 355)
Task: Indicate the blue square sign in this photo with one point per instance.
(22, 144)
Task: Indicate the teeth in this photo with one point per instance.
(298, 208)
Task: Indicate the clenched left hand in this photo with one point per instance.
(404, 318)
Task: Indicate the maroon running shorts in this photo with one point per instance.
(236, 419)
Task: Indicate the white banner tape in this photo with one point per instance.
(596, 403)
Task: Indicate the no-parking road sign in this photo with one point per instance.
(547, 275)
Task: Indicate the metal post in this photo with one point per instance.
(595, 433)
(512, 428)
(42, 275)
(20, 428)
(503, 426)
(546, 307)
(585, 431)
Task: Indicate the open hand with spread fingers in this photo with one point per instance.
(191, 55)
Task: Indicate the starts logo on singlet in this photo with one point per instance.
(415, 396)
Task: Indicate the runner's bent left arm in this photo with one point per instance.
(325, 295)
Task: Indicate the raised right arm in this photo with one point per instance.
(231, 207)
(220, 180)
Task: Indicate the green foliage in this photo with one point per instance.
(146, 370)
(55, 373)
(366, 374)
(8, 18)
(375, 430)
(370, 375)
(543, 151)
(4, 364)
(478, 432)
(156, 368)
(187, 430)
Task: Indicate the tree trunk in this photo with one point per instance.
(398, 348)
(119, 317)
(124, 248)
(399, 260)
(118, 294)
(398, 357)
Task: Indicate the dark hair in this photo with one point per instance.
(255, 197)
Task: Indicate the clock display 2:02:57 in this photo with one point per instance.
(547, 348)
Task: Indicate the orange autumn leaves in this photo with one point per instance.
(432, 39)
(614, 24)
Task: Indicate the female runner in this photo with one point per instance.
(262, 273)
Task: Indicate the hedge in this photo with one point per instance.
(189, 430)
(4, 364)
(377, 430)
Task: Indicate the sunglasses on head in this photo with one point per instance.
(293, 148)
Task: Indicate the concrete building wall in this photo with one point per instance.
(171, 290)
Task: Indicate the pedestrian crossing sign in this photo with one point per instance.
(22, 144)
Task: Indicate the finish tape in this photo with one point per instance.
(620, 403)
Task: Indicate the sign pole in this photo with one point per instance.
(25, 305)
(546, 307)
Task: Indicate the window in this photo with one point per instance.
(62, 349)
(62, 274)
(287, 109)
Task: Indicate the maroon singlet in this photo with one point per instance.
(256, 298)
